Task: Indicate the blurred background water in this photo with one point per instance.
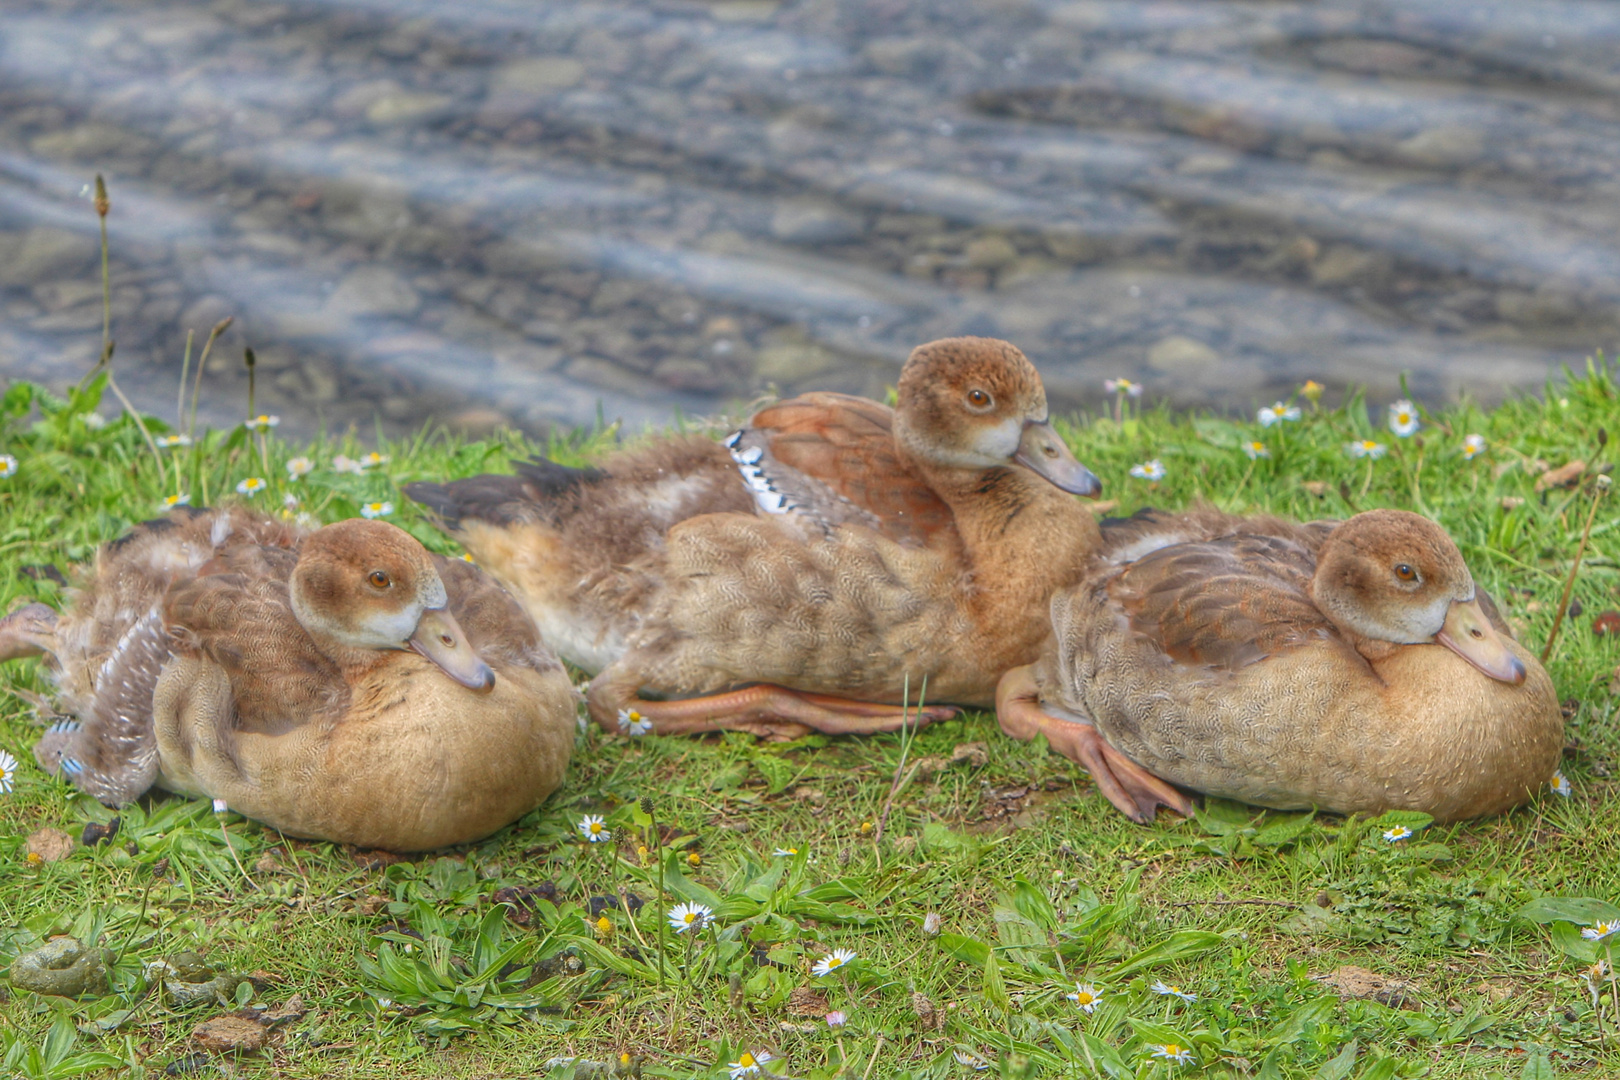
(488, 210)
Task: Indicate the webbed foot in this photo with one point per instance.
(1136, 793)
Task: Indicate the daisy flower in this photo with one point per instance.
(1276, 414)
(1149, 470)
(832, 962)
(1560, 785)
(94, 421)
(299, 467)
(930, 925)
(173, 440)
(8, 466)
(837, 1019)
(345, 464)
(373, 458)
(172, 501)
(1367, 448)
(8, 772)
(972, 1061)
(750, 1064)
(1601, 931)
(1473, 446)
(684, 917)
(376, 509)
(592, 828)
(220, 807)
(1403, 418)
(1312, 391)
(1397, 834)
(602, 924)
(633, 723)
(1123, 386)
(262, 422)
(251, 486)
(1175, 1052)
(1256, 449)
(1171, 990)
(1086, 996)
(786, 852)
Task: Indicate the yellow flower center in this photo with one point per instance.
(603, 925)
(35, 858)
(1173, 1049)
(691, 917)
(747, 1060)
(1085, 997)
(596, 827)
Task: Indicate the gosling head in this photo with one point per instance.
(1390, 575)
(978, 403)
(369, 585)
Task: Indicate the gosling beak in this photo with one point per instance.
(1043, 453)
(1469, 634)
(439, 638)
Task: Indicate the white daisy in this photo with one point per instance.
(345, 464)
(172, 501)
(592, 828)
(376, 509)
(1601, 931)
(1276, 414)
(1171, 990)
(1403, 418)
(8, 466)
(173, 440)
(1123, 386)
(1473, 446)
(930, 925)
(299, 467)
(94, 421)
(1175, 1052)
(289, 501)
(1086, 996)
(8, 772)
(1367, 448)
(684, 917)
(750, 1064)
(786, 852)
(836, 1019)
(1256, 449)
(972, 1061)
(262, 422)
(220, 807)
(1149, 470)
(1560, 785)
(1397, 834)
(832, 962)
(373, 458)
(632, 722)
(251, 486)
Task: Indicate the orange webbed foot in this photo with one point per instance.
(769, 711)
(1133, 790)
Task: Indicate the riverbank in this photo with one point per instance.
(1303, 947)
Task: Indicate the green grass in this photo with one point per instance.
(416, 970)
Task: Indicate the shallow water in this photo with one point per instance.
(497, 209)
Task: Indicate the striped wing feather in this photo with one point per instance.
(846, 445)
(1222, 603)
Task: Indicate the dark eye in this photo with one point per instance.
(1405, 573)
(979, 399)
(379, 579)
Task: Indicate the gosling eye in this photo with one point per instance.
(1404, 572)
(979, 400)
(380, 579)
